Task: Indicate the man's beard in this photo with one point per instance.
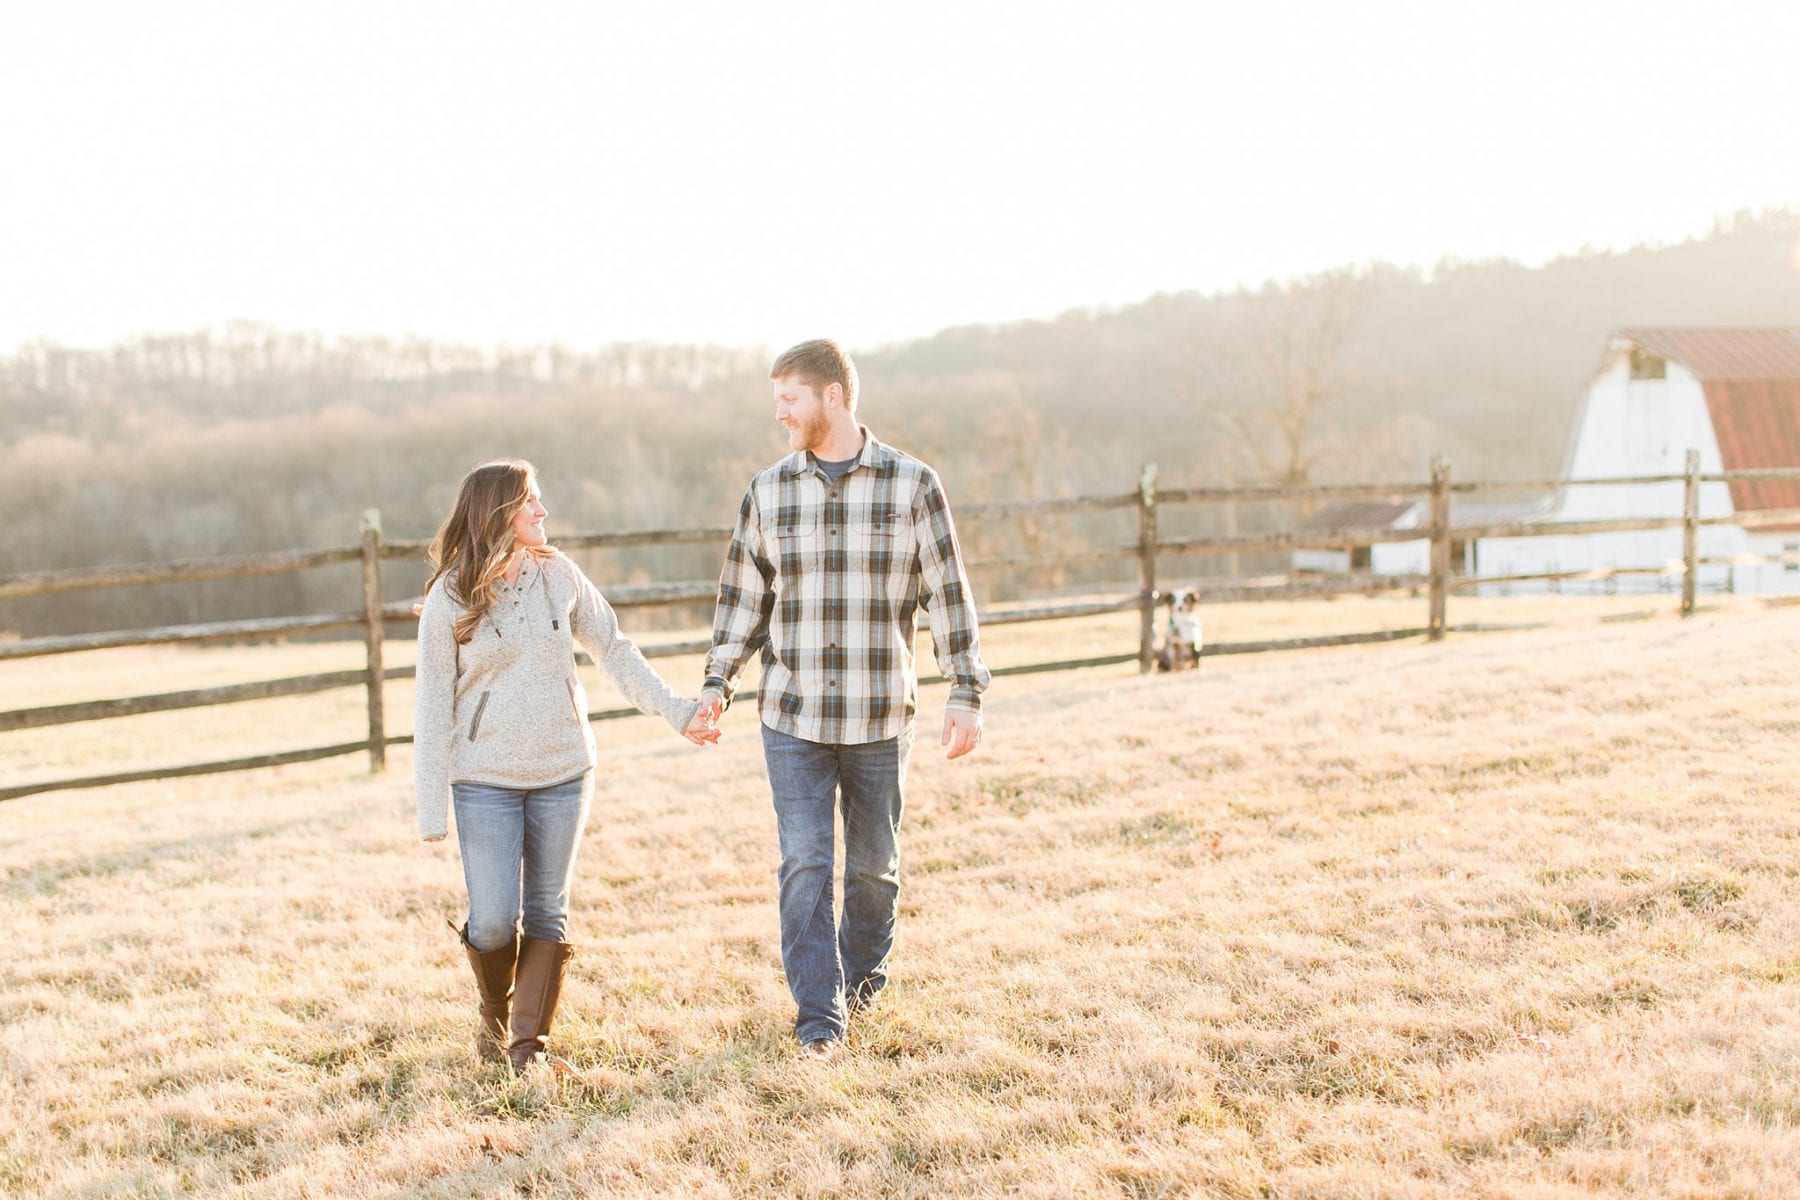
(812, 434)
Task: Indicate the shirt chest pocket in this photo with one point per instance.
(796, 545)
(881, 543)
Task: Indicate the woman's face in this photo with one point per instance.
(528, 522)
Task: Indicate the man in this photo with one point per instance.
(837, 547)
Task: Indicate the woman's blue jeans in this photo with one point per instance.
(518, 856)
(831, 964)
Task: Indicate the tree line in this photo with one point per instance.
(251, 438)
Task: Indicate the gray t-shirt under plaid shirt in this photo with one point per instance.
(826, 580)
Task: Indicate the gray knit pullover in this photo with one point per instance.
(507, 708)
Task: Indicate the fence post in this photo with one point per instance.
(1440, 546)
(1690, 532)
(1147, 567)
(1234, 566)
(371, 589)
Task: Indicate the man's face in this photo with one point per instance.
(801, 412)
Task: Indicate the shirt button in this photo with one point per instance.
(834, 533)
(831, 683)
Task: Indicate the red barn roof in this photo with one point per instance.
(1751, 378)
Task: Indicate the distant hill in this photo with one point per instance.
(252, 438)
(1480, 361)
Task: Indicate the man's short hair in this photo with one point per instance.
(819, 364)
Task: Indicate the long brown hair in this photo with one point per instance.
(476, 539)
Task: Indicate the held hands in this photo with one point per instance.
(703, 729)
(962, 731)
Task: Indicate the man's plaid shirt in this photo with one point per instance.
(826, 580)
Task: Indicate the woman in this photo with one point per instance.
(501, 729)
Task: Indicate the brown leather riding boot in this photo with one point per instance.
(494, 980)
(542, 965)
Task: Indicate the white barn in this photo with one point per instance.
(1731, 394)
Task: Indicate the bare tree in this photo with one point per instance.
(1288, 371)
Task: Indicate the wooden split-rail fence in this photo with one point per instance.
(1147, 499)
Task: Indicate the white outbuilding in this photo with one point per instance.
(1410, 557)
(1731, 394)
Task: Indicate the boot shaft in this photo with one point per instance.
(495, 972)
(542, 967)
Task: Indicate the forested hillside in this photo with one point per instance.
(250, 438)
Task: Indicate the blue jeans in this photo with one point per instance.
(518, 856)
(829, 963)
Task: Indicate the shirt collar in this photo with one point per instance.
(528, 571)
(874, 456)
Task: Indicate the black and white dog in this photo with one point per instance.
(1182, 638)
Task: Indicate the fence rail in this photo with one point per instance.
(1147, 500)
(236, 566)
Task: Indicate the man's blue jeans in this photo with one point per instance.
(829, 963)
(518, 856)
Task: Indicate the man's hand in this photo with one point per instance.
(962, 731)
(703, 730)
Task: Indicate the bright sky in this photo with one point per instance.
(763, 173)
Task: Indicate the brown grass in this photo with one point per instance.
(1515, 915)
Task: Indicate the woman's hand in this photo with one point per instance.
(703, 727)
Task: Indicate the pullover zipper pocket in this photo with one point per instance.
(475, 725)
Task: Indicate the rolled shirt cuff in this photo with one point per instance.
(964, 697)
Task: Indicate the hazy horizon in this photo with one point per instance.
(716, 176)
(1427, 272)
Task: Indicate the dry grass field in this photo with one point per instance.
(1515, 915)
